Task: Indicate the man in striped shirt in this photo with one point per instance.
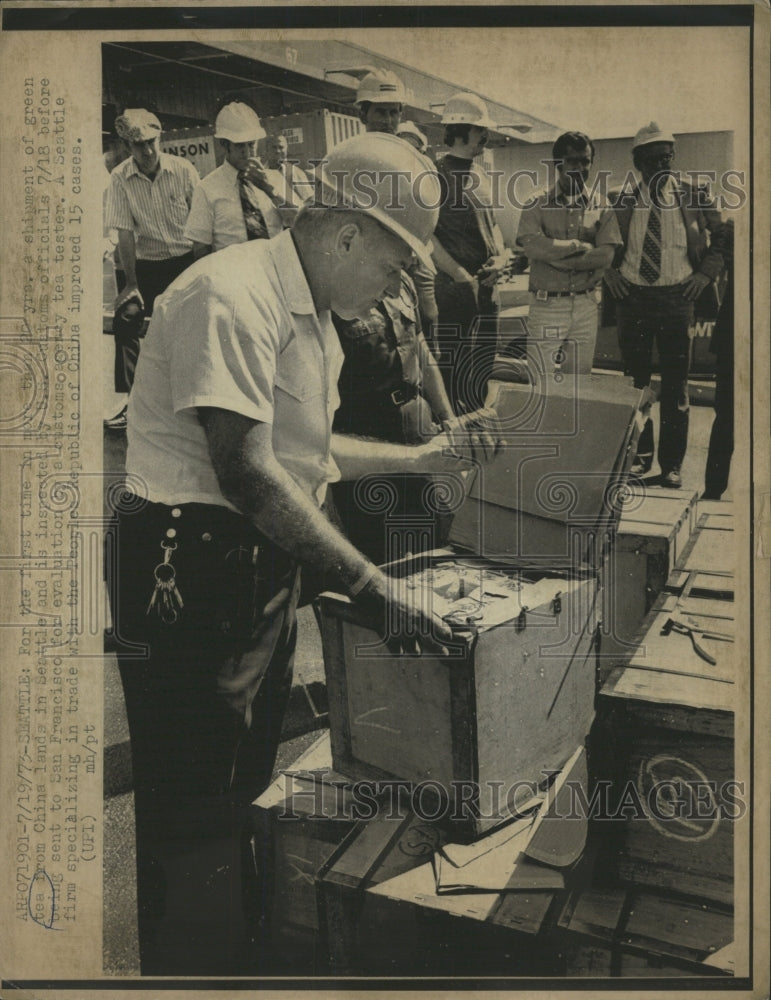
(148, 203)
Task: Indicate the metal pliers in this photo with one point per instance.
(673, 625)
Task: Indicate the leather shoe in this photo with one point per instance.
(672, 479)
(117, 423)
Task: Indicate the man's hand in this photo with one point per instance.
(254, 172)
(693, 287)
(617, 283)
(129, 292)
(403, 618)
(492, 270)
(474, 437)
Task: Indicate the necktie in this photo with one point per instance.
(650, 262)
(256, 228)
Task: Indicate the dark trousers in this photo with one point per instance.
(663, 316)
(205, 698)
(721, 438)
(153, 278)
(466, 337)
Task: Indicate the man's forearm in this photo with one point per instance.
(544, 248)
(434, 389)
(356, 457)
(127, 248)
(252, 479)
(597, 258)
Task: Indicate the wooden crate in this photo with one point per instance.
(473, 728)
(671, 715)
(653, 534)
(300, 820)
(520, 696)
(614, 931)
(382, 886)
(381, 914)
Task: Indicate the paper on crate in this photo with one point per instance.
(553, 835)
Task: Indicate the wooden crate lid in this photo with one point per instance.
(693, 703)
(650, 507)
(594, 913)
(310, 786)
(677, 929)
(566, 453)
(713, 550)
(671, 653)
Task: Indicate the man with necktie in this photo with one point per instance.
(663, 265)
(235, 202)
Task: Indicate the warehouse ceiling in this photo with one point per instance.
(278, 78)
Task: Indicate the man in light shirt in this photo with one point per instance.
(284, 176)
(147, 203)
(661, 268)
(217, 216)
(569, 237)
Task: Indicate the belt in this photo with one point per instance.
(541, 295)
(404, 394)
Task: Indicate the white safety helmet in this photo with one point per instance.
(238, 123)
(467, 109)
(381, 87)
(652, 132)
(388, 179)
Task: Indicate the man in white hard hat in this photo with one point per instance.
(380, 100)
(664, 264)
(569, 236)
(148, 202)
(390, 386)
(229, 456)
(235, 202)
(468, 252)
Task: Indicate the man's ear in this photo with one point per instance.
(346, 238)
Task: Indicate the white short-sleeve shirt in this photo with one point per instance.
(239, 331)
(216, 216)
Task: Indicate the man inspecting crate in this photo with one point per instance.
(229, 456)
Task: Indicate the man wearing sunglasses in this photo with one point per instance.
(569, 235)
(664, 265)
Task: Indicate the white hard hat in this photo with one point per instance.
(411, 129)
(466, 109)
(238, 123)
(387, 178)
(652, 132)
(381, 87)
